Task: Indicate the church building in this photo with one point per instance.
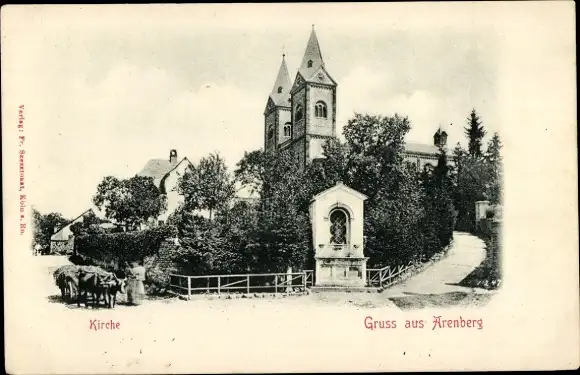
(301, 116)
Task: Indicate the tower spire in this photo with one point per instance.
(312, 59)
(281, 91)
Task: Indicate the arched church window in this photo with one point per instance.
(288, 130)
(270, 133)
(299, 113)
(320, 109)
(280, 90)
(310, 63)
(338, 227)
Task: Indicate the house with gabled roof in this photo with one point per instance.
(166, 174)
(62, 241)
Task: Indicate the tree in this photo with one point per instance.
(324, 173)
(90, 224)
(278, 240)
(252, 169)
(470, 186)
(200, 241)
(44, 226)
(392, 222)
(207, 186)
(439, 220)
(477, 175)
(375, 147)
(236, 223)
(475, 133)
(495, 164)
(130, 202)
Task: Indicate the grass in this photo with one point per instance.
(488, 274)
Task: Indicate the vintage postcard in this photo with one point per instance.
(266, 188)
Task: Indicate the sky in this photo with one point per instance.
(108, 91)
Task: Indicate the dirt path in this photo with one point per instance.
(466, 253)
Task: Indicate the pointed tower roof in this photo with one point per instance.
(281, 91)
(312, 59)
(442, 129)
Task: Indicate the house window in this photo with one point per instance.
(320, 109)
(280, 90)
(338, 227)
(310, 63)
(299, 113)
(288, 130)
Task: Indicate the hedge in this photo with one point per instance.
(488, 274)
(116, 248)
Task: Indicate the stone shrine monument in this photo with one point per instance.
(336, 216)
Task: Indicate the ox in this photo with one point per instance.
(92, 284)
(111, 286)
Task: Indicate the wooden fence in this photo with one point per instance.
(245, 283)
(272, 282)
(309, 277)
(383, 277)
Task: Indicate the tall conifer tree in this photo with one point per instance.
(475, 133)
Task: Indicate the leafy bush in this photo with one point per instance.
(488, 274)
(112, 250)
(157, 276)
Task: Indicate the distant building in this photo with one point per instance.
(421, 154)
(301, 116)
(62, 241)
(166, 174)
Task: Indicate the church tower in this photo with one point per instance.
(313, 105)
(277, 115)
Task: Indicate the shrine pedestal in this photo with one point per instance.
(341, 271)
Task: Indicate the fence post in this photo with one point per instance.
(248, 283)
(219, 285)
(276, 284)
(304, 281)
(188, 288)
(381, 278)
(207, 285)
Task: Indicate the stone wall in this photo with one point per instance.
(299, 126)
(270, 129)
(160, 265)
(298, 149)
(284, 116)
(319, 125)
(62, 247)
